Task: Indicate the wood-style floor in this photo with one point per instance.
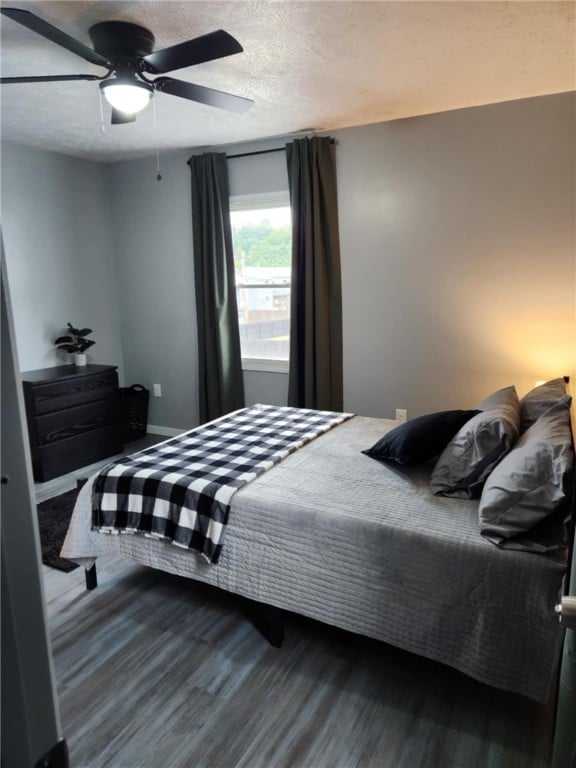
(157, 671)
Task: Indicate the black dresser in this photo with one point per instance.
(74, 417)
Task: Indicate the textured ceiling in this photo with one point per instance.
(307, 65)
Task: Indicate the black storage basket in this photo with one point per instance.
(134, 411)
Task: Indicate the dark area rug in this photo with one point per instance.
(54, 518)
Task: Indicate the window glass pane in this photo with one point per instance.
(262, 257)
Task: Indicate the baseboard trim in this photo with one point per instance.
(167, 431)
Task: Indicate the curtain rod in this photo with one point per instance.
(259, 152)
(262, 152)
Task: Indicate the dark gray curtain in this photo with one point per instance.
(315, 379)
(221, 387)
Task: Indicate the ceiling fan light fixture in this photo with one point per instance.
(128, 97)
(127, 52)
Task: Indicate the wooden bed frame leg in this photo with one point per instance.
(91, 577)
(268, 620)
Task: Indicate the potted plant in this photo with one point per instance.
(76, 343)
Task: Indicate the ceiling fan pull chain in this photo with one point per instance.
(158, 174)
(102, 124)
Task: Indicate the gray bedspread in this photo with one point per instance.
(334, 535)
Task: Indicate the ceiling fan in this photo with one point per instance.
(127, 52)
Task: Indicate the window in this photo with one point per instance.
(262, 236)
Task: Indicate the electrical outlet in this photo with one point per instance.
(157, 389)
(401, 415)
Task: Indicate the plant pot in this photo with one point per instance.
(79, 359)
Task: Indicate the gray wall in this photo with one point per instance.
(458, 258)
(152, 226)
(59, 254)
(153, 237)
(458, 254)
(458, 263)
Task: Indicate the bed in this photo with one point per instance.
(363, 545)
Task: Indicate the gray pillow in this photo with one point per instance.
(478, 446)
(502, 398)
(530, 485)
(538, 400)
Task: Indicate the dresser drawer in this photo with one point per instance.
(80, 451)
(60, 425)
(67, 394)
(74, 417)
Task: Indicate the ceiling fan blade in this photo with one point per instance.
(202, 94)
(43, 28)
(214, 45)
(47, 78)
(119, 118)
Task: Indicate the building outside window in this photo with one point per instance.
(262, 236)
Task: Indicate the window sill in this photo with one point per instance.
(265, 365)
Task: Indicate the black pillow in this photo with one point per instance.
(420, 439)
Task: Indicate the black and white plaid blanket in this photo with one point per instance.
(181, 489)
